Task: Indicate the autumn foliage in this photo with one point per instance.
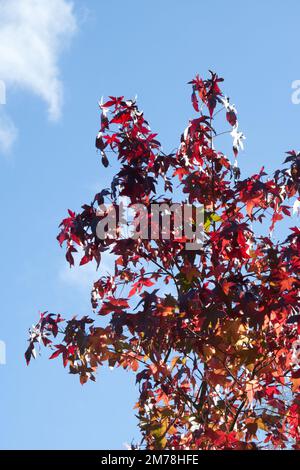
(212, 335)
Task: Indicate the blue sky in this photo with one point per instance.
(151, 49)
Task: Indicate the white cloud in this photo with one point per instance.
(81, 277)
(8, 132)
(84, 276)
(33, 34)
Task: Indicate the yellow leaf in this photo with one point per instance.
(215, 217)
(174, 362)
(158, 432)
(261, 424)
(208, 351)
(296, 384)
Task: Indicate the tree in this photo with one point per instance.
(212, 334)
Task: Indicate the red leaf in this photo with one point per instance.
(231, 118)
(195, 101)
(86, 259)
(60, 350)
